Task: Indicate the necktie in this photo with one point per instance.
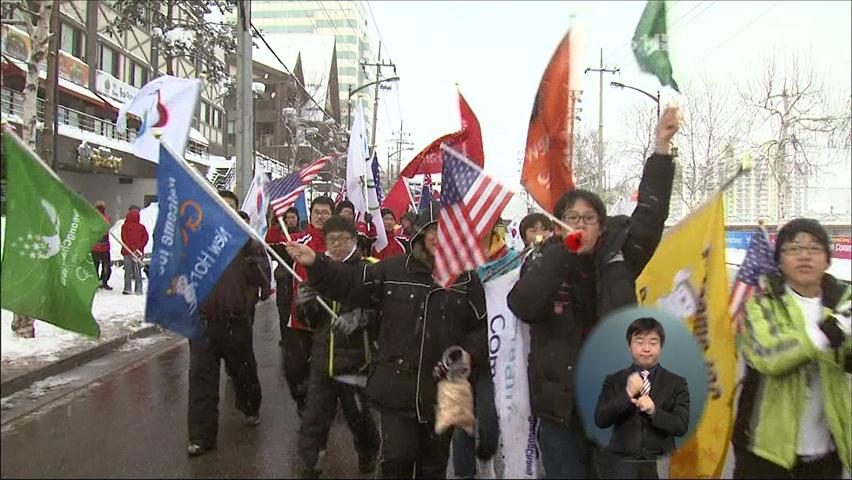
(646, 384)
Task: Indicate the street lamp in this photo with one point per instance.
(652, 97)
(353, 92)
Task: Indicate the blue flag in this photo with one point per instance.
(302, 206)
(194, 241)
(425, 193)
(377, 179)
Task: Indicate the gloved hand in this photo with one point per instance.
(832, 331)
(351, 321)
(305, 294)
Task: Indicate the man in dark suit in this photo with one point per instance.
(646, 405)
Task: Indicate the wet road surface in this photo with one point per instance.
(132, 423)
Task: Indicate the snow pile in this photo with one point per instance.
(43, 387)
(117, 315)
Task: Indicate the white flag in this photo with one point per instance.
(360, 187)
(166, 104)
(256, 203)
(508, 347)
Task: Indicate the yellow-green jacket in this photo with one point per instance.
(777, 349)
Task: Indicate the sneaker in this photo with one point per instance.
(106, 287)
(252, 420)
(195, 450)
(125, 292)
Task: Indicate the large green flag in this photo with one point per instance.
(48, 272)
(651, 43)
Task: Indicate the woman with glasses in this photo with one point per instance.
(794, 418)
(562, 295)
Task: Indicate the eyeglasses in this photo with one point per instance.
(337, 238)
(796, 250)
(574, 219)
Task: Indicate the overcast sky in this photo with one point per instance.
(497, 52)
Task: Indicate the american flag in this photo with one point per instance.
(757, 263)
(341, 195)
(472, 203)
(284, 192)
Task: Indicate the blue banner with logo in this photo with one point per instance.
(194, 241)
(738, 240)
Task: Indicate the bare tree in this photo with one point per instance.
(34, 16)
(712, 130)
(796, 113)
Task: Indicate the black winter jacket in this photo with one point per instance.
(334, 353)
(242, 284)
(418, 321)
(563, 295)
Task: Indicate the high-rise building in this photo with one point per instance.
(345, 20)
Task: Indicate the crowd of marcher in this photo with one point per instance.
(381, 350)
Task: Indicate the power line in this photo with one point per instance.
(376, 24)
(286, 69)
(738, 33)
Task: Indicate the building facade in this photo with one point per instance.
(345, 20)
(99, 70)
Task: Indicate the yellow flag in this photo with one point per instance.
(687, 278)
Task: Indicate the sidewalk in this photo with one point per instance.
(53, 350)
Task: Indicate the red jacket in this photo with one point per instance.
(133, 233)
(103, 244)
(394, 247)
(314, 238)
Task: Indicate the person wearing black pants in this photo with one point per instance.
(227, 319)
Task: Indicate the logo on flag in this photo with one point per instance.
(166, 103)
(195, 240)
(283, 192)
(256, 202)
(472, 203)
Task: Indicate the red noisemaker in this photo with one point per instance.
(573, 240)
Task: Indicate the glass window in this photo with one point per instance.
(110, 61)
(137, 74)
(232, 127)
(72, 41)
(204, 113)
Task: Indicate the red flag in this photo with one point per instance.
(547, 163)
(399, 198)
(430, 159)
(472, 146)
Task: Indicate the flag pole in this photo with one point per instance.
(241, 223)
(140, 261)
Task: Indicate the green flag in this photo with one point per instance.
(651, 43)
(48, 272)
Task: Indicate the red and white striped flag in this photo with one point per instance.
(341, 195)
(471, 203)
(284, 192)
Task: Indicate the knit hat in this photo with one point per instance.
(427, 216)
(100, 203)
(807, 225)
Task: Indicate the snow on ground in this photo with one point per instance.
(43, 387)
(117, 315)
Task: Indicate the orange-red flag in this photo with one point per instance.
(471, 147)
(547, 172)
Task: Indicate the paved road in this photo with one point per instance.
(132, 423)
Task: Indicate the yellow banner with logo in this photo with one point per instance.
(687, 277)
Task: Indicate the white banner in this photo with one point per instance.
(166, 104)
(360, 188)
(508, 347)
(256, 203)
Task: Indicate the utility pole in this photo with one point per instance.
(245, 96)
(378, 64)
(402, 144)
(601, 70)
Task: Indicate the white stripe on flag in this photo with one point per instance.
(495, 207)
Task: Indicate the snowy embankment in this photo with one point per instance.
(117, 315)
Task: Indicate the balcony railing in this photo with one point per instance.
(12, 103)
